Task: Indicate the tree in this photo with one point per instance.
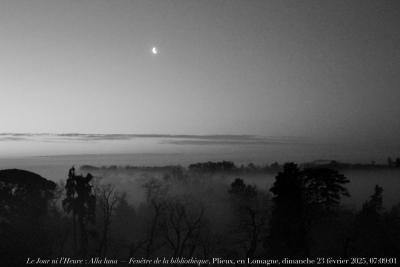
(156, 200)
(369, 231)
(182, 226)
(107, 199)
(392, 231)
(324, 188)
(81, 201)
(124, 226)
(300, 198)
(250, 212)
(372, 209)
(212, 166)
(288, 226)
(25, 201)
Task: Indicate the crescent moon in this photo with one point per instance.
(154, 50)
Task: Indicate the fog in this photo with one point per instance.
(206, 209)
(132, 181)
(55, 168)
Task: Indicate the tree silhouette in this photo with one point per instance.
(287, 226)
(81, 201)
(212, 166)
(25, 198)
(372, 209)
(250, 212)
(301, 197)
(324, 188)
(392, 231)
(107, 199)
(182, 225)
(156, 193)
(369, 237)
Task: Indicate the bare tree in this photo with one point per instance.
(250, 211)
(182, 226)
(107, 198)
(156, 193)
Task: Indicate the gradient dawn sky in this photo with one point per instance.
(326, 71)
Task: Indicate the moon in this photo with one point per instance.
(154, 50)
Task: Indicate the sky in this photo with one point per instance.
(322, 71)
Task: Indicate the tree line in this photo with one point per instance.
(182, 215)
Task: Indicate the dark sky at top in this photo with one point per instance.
(323, 70)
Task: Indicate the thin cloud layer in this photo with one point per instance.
(164, 138)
